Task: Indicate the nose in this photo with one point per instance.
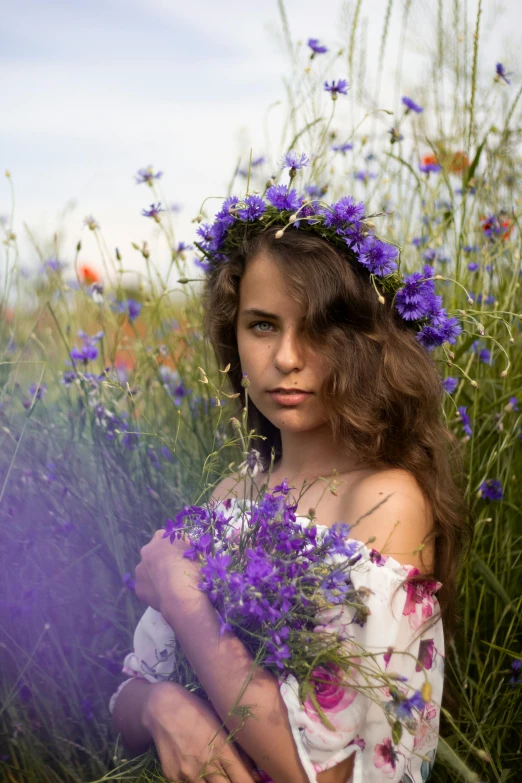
(289, 355)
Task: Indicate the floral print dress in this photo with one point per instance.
(403, 632)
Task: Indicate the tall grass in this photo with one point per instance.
(94, 463)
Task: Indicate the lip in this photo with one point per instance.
(290, 398)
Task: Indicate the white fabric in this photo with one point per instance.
(404, 619)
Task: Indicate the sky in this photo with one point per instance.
(93, 91)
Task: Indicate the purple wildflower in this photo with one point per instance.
(450, 384)
(279, 197)
(466, 423)
(473, 266)
(429, 164)
(147, 175)
(378, 257)
(337, 88)
(87, 353)
(343, 211)
(516, 668)
(491, 489)
(512, 404)
(292, 160)
(153, 211)
(502, 73)
(411, 105)
(40, 390)
(129, 306)
(316, 47)
(342, 147)
(403, 707)
(415, 299)
(255, 206)
(364, 176)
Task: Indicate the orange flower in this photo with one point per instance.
(88, 274)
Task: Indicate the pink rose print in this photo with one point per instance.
(387, 655)
(359, 742)
(420, 592)
(385, 757)
(426, 650)
(332, 695)
(377, 558)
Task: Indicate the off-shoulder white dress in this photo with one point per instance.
(403, 631)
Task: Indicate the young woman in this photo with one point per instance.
(342, 390)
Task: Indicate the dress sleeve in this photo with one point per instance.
(401, 630)
(152, 658)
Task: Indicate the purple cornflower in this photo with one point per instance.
(292, 160)
(337, 88)
(182, 246)
(147, 175)
(316, 47)
(415, 299)
(516, 668)
(279, 197)
(153, 211)
(466, 422)
(277, 655)
(403, 707)
(429, 164)
(54, 264)
(419, 241)
(343, 211)
(39, 390)
(255, 206)
(342, 147)
(130, 307)
(411, 105)
(491, 489)
(502, 73)
(87, 353)
(512, 404)
(450, 384)
(473, 266)
(485, 356)
(364, 176)
(378, 257)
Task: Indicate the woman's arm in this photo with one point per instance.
(223, 665)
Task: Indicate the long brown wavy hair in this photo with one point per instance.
(383, 394)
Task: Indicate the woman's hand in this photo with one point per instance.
(163, 569)
(190, 740)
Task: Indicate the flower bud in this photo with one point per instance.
(279, 233)
(474, 384)
(503, 373)
(381, 298)
(292, 218)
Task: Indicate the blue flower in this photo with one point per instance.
(343, 211)
(364, 176)
(450, 384)
(473, 266)
(316, 47)
(147, 175)
(255, 206)
(293, 161)
(279, 197)
(378, 257)
(153, 211)
(491, 489)
(411, 105)
(415, 299)
(342, 147)
(466, 423)
(40, 390)
(335, 89)
(516, 668)
(502, 74)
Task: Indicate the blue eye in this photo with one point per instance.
(257, 323)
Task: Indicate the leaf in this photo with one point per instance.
(470, 173)
(485, 571)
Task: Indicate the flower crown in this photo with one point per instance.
(344, 223)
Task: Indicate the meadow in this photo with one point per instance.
(113, 414)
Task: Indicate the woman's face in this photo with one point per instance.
(273, 351)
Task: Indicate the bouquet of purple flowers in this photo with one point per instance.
(271, 580)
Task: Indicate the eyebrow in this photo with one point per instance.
(259, 313)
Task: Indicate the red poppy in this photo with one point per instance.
(88, 274)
